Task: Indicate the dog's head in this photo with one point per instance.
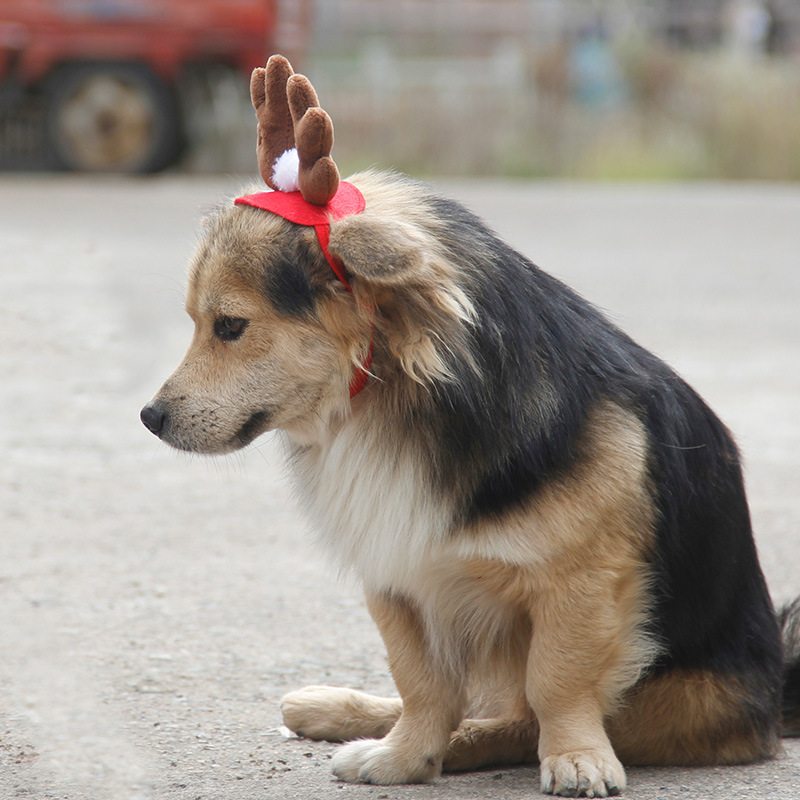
(278, 333)
(269, 349)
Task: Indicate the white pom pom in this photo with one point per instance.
(286, 170)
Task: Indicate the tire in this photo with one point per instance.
(111, 117)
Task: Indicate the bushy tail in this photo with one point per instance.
(789, 618)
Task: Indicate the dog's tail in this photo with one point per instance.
(789, 618)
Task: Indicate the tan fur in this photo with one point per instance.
(688, 718)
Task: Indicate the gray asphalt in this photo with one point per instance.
(156, 606)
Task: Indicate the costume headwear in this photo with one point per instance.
(295, 138)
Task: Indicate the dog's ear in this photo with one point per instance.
(413, 286)
(379, 252)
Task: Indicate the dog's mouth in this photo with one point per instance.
(257, 423)
(203, 434)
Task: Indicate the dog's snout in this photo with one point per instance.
(153, 417)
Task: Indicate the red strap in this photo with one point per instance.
(361, 377)
(323, 232)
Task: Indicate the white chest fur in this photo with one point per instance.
(371, 501)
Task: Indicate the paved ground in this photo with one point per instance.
(156, 606)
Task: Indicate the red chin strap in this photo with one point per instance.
(292, 207)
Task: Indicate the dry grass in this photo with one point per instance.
(685, 117)
(681, 116)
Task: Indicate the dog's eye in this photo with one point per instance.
(229, 328)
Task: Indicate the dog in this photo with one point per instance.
(550, 525)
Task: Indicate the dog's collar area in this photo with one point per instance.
(292, 207)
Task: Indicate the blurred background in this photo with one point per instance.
(155, 606)
(618, 89)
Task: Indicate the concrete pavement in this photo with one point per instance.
(155, 606)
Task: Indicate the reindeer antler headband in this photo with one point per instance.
(293, 128)
(295, 138)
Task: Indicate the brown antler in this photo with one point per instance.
(288, 112)
(313, 133)
(275, 127)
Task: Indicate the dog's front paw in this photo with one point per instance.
(379, 761)
(582, 774)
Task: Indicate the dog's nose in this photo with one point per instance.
(153, 417)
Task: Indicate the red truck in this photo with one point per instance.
(106, 75)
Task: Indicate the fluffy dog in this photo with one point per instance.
(550, 525)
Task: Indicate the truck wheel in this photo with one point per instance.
(108, 117)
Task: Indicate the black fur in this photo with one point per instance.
(711, 605)
(252, 427)
(790, 624)
(288, 286)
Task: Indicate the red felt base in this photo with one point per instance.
(290, 205)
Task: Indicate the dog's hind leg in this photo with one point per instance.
(335, 714)
(482, 743)
(695, 718)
